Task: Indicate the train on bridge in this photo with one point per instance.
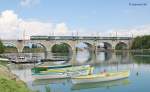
(77, 38)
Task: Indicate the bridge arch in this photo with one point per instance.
(88, 44)
(69, 47)
(35, 45)
(104, 45)
(84, 45)
(107, 45)
(121, 46)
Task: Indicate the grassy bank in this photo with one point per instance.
(9, 85)
(9, 82)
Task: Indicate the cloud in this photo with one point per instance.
(134, 31)
(61, 28)
(13, 27)
(29, 2)
(122, 32)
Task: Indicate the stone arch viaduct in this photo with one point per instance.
(48, 41)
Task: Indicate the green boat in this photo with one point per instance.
(63, 72)
(38, 69)
(68, 69)
(55, 66)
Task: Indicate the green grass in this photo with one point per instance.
(3, 63)
(9, 82)
(9, 85)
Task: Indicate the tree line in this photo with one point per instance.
(2, 47)
(141, 42)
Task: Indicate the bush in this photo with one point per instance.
(1, 47)
(7, 85)
(60, 48)
(141, 42)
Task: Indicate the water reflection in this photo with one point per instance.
(110, 61)
(104, 56)
(49, 81)
(82, 58)
(101, 84)
(141, 57)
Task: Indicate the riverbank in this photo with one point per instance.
(25, 50)
(132, 50)
(9, 82)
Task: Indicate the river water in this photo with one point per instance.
(138, 63)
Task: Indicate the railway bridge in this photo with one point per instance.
(93, 42)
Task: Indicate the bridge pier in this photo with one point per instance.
(20, 46)
(20, 49)
(93, 49)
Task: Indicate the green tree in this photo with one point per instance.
(121, 46)
(1, 47)
(60, 48)
(141, 42)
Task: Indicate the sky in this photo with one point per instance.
(19, 19)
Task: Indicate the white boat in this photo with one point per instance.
(107, 84)
(67, 74)
(109, 76)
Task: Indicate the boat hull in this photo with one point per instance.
(100, 77)
(101, 84)
(68, 69)
(54, 67)
(38, 69)
(60, 75)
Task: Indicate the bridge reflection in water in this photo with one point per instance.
(110, 61)
(101, 60)
(79, 58)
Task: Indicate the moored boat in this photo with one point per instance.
(68, 69)
(108, 84)
(55, 66)
(66, 74)
(102, 77)
(38, 69)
